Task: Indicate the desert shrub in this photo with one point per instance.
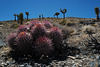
(89, 29)
(62, 22)
(71, 31)
(16, 26)
(95, 25)
(1, 23)
(81, 22)
(71, 24)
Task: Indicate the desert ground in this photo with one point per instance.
(82, 50)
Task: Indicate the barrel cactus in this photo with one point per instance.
(56, 35)
(23, 28)
(11, 39)
(47, 24)
(24, 42)
(33, 23)
(43, 46)
(35, 40)
(38, 30)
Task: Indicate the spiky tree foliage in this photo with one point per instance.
(38, 30)
(18, 18)
(97, 12)
(56, 35)
(57, 14)
(23, 28)
(15, 16)
(63, 12)
(24, 42)
(21, 18)
(47, 24)
(43, 46)
(27, 13)
(11, 39)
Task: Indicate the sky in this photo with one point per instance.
(75, 8)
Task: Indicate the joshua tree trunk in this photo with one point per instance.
(27, 17)
(15, 18)
(97, 17)
(57, 16)
(18, 19)
(21, 22)
(64, 16)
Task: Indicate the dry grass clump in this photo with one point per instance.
(62, 22)
(74, 41)
(89, 29)
(79, 40)
(95, 25)
(72, 31)
(4, 50)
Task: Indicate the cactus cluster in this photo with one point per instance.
(35, 39)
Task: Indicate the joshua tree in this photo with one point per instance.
(27, 13)
(63, 12)
(97, 12)
(57, 14)
(18, 18)
(21, 18)
(42, 15)
(15, 16)
(39, 17)
(54, 15)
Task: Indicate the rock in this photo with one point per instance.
(22, 65)
(71, 57)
